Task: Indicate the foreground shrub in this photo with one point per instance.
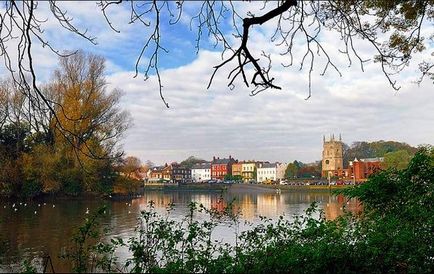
(393, 235)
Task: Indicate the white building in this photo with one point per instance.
(280, 170)
(266, 172)
(201, 172)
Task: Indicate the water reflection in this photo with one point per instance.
(36, 229)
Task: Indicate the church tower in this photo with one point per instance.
(332, 156)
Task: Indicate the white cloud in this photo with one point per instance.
(274, 125)
(277, 125)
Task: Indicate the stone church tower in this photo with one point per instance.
(332, 157)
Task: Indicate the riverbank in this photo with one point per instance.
(218, 187)
(256, 188)
(304, 187)
(188, 187)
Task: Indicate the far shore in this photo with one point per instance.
(202, 187)
(255, 188)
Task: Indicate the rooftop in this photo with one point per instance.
(377, 159)
(267, 165)
(201, 166)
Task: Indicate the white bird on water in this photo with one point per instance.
(4, 206)
(129, 212)
(45, 203)
(13, 205)
(35, 212)
(39, 205)
(54, 206)
(16, 209)
(25, 204)
(87, 210)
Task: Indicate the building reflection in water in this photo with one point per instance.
(251, 206)
(337, 205)
(29, 235)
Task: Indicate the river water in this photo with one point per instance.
(30, 230)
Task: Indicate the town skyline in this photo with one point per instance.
(222, 156)
(332, 165)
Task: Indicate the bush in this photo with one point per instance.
(71, 181)
(393, 235)
(31, 187)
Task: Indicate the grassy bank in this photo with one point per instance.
(241, 187)
(304, 187)
(188, 187)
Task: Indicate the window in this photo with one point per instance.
(327, 162)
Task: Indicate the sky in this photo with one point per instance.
(275, 125)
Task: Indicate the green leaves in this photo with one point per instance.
(392, 235)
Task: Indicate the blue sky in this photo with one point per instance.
(274, 125)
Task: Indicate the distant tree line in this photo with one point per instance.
(191, 161)
(70, 150)
(395, 154)
(300, 170)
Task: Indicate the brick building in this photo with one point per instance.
(160, 173)
(360, 170)
(180, 174)
(221, 167)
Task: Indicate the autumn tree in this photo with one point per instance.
(87, 122)
(72, 149)
(130, 167)
(309, 172)
(129, 179)
(4, 93)
(88, 115)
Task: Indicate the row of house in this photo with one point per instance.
(218, 169)
(173, 173)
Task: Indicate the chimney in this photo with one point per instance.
(213, 158)
(230, 157)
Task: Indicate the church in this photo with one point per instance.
(333, 166)
(332, 157)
